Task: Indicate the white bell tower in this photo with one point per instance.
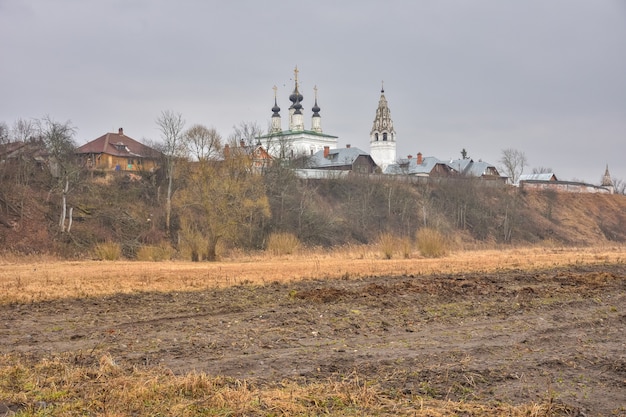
(383, 135)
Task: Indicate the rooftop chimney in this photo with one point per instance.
(419, 158)
(410, 156)
(120, 131)
(348, 146)
(326, 151)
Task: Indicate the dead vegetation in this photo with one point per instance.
(22, 280)
(79, 384)
(521, 332)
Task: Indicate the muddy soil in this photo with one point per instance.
(512, 336)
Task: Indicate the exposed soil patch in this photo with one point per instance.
(513, 336)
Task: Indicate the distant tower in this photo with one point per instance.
(383, 135)
(607, 181)
(276, 124)
(316, 120)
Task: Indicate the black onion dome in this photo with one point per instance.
(316, 109)
(275, 109)
(297, 107)
(295, 96)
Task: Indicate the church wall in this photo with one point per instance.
(383, 153)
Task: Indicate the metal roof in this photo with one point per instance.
(411, 167)
(470, 168)
(336, 157)
(544, 176)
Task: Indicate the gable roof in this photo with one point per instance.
(544, 176)
(411, 167)
(34, 150)
(336, 157)
(118, 144)
(470, 168)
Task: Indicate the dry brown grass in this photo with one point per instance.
(88, 385)
(28, 279)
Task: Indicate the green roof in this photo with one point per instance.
(295, 132)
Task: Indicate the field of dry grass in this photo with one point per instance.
(109, 390)
(101, 380)
(31, 279)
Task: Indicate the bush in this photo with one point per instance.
(431, 243)
(406, 247)
(283, 243)
(162, 252)
(387, 243)
(109, 251)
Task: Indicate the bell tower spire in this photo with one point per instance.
(607, 181)
(383, 134)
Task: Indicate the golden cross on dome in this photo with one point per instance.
(296, 71)
(275, 89)
(315, 89)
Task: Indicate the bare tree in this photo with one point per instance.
(203, 143)
(513, 163)
(279, 147)
(23, 130)
(171, 126)
(58, 139)
(620, 186)
(246, 132)
(542, 170)
(4, 133)
(220, 202)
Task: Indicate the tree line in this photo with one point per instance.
(202, 199)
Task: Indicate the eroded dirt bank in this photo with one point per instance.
(512, 336)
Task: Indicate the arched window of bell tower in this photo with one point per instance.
(376, 136)
(385, 136)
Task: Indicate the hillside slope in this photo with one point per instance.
(327, 213)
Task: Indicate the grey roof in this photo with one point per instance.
(544, 176)
(336, 157)
(471, 168)
(465, 167)
(411, 167)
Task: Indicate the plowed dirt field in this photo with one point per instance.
(513, 336)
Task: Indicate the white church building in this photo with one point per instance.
(296, 141)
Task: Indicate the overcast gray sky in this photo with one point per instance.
(547, 77)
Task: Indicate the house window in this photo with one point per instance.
(130, 162)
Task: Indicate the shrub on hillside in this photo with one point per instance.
(387, 244)
(108, 251)
(283, 243)
(406, 247)
(431, 243)
(162, 252)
